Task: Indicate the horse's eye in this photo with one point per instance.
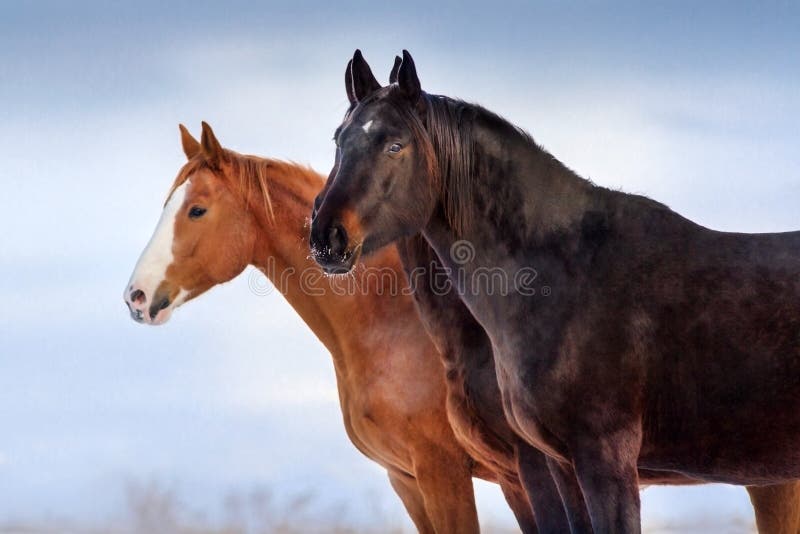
(196, 212)
(395, 148)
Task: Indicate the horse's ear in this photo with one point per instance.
(348, 83)
(190, 145)
(364, 82)
(407, 78)
(212, 150)
(393, 75)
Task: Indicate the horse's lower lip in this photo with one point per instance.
(343, 265)
(337, 269)
(340, 265)
(142, 317)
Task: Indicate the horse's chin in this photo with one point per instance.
(161, 317)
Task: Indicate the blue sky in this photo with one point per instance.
(694, 105)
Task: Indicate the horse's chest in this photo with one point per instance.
(534, 429)
(482, 440)
(530, 402)
(376, 429)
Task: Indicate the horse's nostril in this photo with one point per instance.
(337, 238)
(138, 297)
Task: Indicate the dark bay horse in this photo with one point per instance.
(627, 340)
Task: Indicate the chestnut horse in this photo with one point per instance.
(225, 211)
(655, 348)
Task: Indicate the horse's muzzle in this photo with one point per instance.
(143, 311)
(329, 248)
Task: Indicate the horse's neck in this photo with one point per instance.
(525, 192)
(282, 254)
(521, 204)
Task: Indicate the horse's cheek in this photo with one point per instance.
(240, 248)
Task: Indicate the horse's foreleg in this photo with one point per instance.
(571, 496)
(777, 507)
(609, 479)
(407, 489)
(518, 501)
(542, 491)
(446, 486)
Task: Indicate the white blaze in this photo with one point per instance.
(367, 126)
(151, 269)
